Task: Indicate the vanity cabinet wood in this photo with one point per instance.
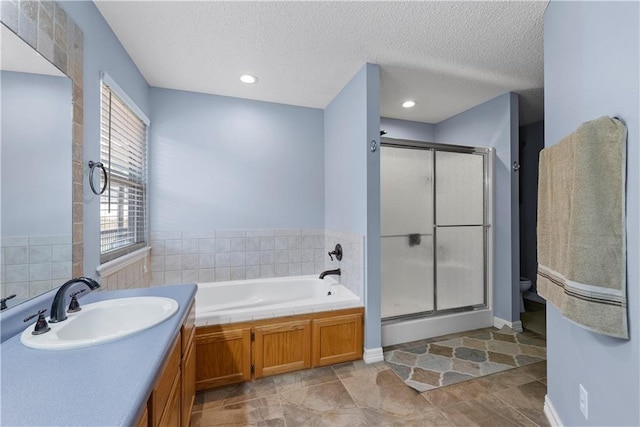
(337, 339)
(223, 355)
(237, 352)
(188, 367)
(283, 347)
(144, 419)
(160, 401)
(173, 395)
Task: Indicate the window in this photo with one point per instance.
(123, 152)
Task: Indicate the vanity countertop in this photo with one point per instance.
(106, 384)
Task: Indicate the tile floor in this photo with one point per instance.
(357, 394)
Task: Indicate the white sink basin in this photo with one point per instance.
(102, 322)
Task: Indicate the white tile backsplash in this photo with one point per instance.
(31, 265)
(249, 254)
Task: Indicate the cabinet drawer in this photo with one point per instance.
(162, 391)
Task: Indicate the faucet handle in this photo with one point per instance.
(337, 252)
(74, 305)
(41, 324)
(3, 301)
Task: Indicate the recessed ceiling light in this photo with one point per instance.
(248, 78)
(408, 104)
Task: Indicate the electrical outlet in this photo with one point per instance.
(584, 402)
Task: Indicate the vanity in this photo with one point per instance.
(145, 379)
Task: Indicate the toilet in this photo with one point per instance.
(525, 285)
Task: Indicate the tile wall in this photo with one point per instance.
(136, 274)
(352, 264)
(222, 255)
(32, 265)
(214, 256)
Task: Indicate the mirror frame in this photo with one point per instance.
(47, 28)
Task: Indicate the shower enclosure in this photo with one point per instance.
(434, 229)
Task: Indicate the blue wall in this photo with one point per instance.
(222, 163)
(531, 142)
(495, 124)
(352, 179)
(406, 129)
(36, 155)
(591, 69)
(102, 52)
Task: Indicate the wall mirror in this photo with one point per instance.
(37, 232)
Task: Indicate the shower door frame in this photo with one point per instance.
(488, 154)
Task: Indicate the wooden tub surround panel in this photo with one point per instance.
(237, 352)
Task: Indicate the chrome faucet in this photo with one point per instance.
(328, 272)
(58, 313)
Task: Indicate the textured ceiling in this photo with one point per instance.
(447, 56)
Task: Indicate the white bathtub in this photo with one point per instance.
(244, 300)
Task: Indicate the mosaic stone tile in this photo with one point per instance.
(433, 362)
(472, 354)
(453, 377)
(504, 337)
(402, 371)
(417, 350)
(459, 358)
(403, 358)
(440, 350)
(474, 343)
(503, 347)
(505, 359)
(426, 376)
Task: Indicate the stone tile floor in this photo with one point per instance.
(357, 394)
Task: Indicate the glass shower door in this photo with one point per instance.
(460, 230)
(406, 231)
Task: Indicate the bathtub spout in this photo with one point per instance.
(328, 272)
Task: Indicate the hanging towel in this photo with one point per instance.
(581, 227)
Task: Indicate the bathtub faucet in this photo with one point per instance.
(328, 272)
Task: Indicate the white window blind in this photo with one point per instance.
(123, 151)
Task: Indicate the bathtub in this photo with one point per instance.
(245, 300)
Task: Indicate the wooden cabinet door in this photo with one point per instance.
(283, 347)
(337, 339)
(172, 412)
(188, 381)
(161, 394)
(223, 355)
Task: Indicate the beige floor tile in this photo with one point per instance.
(456, 393)
(265, 411)
(305, 378)
(484, 411)
(318, 398)
(300, 417)
(503, 380)
(385, 393)
(359, 367)
(528, 399)
(431, 418)
(235, 393)
(538, 370)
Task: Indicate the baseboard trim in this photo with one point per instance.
(499, 323)
(373, 355)
(550, 413)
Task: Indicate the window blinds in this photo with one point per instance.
(123, 151)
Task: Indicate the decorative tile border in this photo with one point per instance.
(45, 26)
